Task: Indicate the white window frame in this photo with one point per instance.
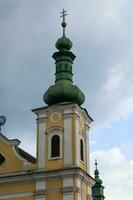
(56, 130)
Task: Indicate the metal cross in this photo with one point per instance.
(96, 163)
(64, 13)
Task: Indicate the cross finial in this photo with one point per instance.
(63, 14)
(96, 163)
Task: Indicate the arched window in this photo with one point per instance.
(2, 159)
(55, 146)
(81, 150)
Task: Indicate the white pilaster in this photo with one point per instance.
(68, 196)
(68, 182)
(41, 143)
(87, 150)
(79, 196)
(40, 187)
(68, 187)
(77, 130)
(41, 198)
(67, 137)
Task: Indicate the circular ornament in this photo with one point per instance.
(55, 117)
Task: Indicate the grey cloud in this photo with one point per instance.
(101, 33)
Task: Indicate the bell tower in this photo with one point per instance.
(62, 132)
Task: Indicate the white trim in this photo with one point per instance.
(50, 135)
(40, 185)
(41, 143)
(79, 196)
(22, 177)
(77, 140)
(87, 155)
(15, 142)
(67, 137)
(68, 196)
(55, 129)
(16, 195)
(68, 182)
(40, 198)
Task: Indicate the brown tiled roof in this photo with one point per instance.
(26, 155)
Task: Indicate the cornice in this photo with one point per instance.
(42, 174)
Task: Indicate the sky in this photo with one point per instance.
(101, 32)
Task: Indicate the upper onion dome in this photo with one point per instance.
(63, 43)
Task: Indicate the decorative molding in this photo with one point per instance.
(67, 115)
(41, 120)
(55, 129)
(67, 189)
(14, 142)
(68, 148)
(40, 192)
(42, 174)
(55, 117)
(16, 195)
(17, 154)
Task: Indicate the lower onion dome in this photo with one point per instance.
(63, 91)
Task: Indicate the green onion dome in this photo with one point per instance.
(63, 43)
(63, 91)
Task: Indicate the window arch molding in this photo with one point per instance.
(51, 132)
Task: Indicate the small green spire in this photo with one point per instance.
(98, 188)
(63, 90)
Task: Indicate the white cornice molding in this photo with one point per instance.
(16, 195)
(15, 142)
(41, 175)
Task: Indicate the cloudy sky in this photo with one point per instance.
(101, 31)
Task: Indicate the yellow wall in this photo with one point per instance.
(14, 188)
(54, 189)
(53, 164)
(12, 162)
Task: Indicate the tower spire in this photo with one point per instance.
(63, 90)
(98, 188)
(64, 24)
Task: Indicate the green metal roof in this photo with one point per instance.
(63, 90)
(98, 188)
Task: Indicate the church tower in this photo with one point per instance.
(62, 133)
(98, 188)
